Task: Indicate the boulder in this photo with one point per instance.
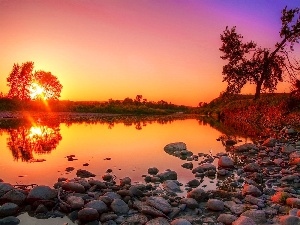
(171, 186)
(159, 203)
(215, 205)
(5, 187)
(75, 202)
(88, 214)
(177, 146)
(168, 175)
(198, 194)
(14, 196)
(74, 187)
(84, 174)
(190, 203)
(41, 193)
(258, 216)
(8, 209)
(10, 220)
(118, 206)
(99, 205)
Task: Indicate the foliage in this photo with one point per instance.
(260, 66)
(21, 79)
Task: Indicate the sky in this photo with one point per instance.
(113, 49)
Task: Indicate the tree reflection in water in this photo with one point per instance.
(24, 141)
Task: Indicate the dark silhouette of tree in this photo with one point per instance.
(50, 83)
(19, 81)
(21, 78)
(260, 66)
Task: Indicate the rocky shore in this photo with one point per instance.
(258, 183)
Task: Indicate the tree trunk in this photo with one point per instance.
(257, 90)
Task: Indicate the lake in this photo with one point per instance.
(37, 152)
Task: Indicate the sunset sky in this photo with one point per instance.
(161, 49)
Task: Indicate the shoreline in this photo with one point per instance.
(260, 184)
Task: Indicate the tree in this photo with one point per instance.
(260, 66)
(19, 81)
(25, 85)
(51, 85)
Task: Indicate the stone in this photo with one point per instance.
(227, 219)
(289, 220)
(204, 167)
(198, 194)
(168, 175)
(158, 221)
(252, 167)
(14, 196)
(245, 147)
(193, 183)
(99, 205)
(159, 203)
(280, 197)
(177, 146)
(125, 181)
(136, 219)
(188, 165)
(75, 202)
(41, 209)
(8, 209)
(244, 220)
(10, 220)
(293, 202)
(5, 187)
(88, 214)
(258, 216)
(41, 193)
(119, 206)
(270, 142)
(180, 222)
(111, 195)
(251, 190)
(84, 174)
(190, 203)
(225, 162)
(153, 171)
(74, 187)
(235, 208)
(287, 149)
(171, 186)
(215, 205)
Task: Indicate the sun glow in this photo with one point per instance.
(36, 91)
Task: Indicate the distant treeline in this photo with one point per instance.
(126, 106)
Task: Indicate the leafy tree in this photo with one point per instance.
(51, 85)
(263, 67)
(19, 81)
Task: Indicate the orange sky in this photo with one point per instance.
(101, 49)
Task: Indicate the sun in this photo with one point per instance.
(36, 91)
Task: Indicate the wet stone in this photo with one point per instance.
(72, 186)
(99, 205)
(41, 193)
(10, 220)
(14, 196)
(75, 202)
(8, 209)
(160, 204)
(88, 214)
(180, 222)
(119, 206)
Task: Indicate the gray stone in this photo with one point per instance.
(180, 222)
(159, 203)
(88, 214)
(119, 206)
(225, 162)
(8, 209)
(41, 193)
(190, 203)
(75, 202)
(99, 205)
(168, 175)
(72, 186)
(5, 187)
(171, 186)
(215, 205)
(14, 196)
(258, 216)
(227, 219)
(10, 220)
(112, 195)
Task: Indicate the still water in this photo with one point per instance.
(37, 153)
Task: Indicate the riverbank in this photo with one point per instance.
(258, 183)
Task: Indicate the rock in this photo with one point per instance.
(10, 220)
(255, 201)
(270, 142)
(190, 203)
(287, 149)
(41, 193)
(215, 205)
(75, 202)
(8, 209)
(235, 208)
(177, 146)
(280, 197)
(107, 177)
(135, 191)
(180, 222)
(159, 203)
(227, 219)
(289, 220)
(14, 196)
(251, 190)
(204, 167)
(193, 183)
(230, 142)
(124, 181)
(188, 165)
(99, 184)
(158, 221)
(148, 210)
(5, 187)
(198, 194)
(258, 216)
(111, 195)
(136, 219)
(245, 147)
(252, 167)
(84, 174)
(153, 171)
(72, 186)
(99, 205)
(171, 186)
(293, 202)
(168, 175)
(108, 217)
(225, 162)
(119, 206)
(289, 178)
(41, 209)
(88, 214)
(244, 220)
